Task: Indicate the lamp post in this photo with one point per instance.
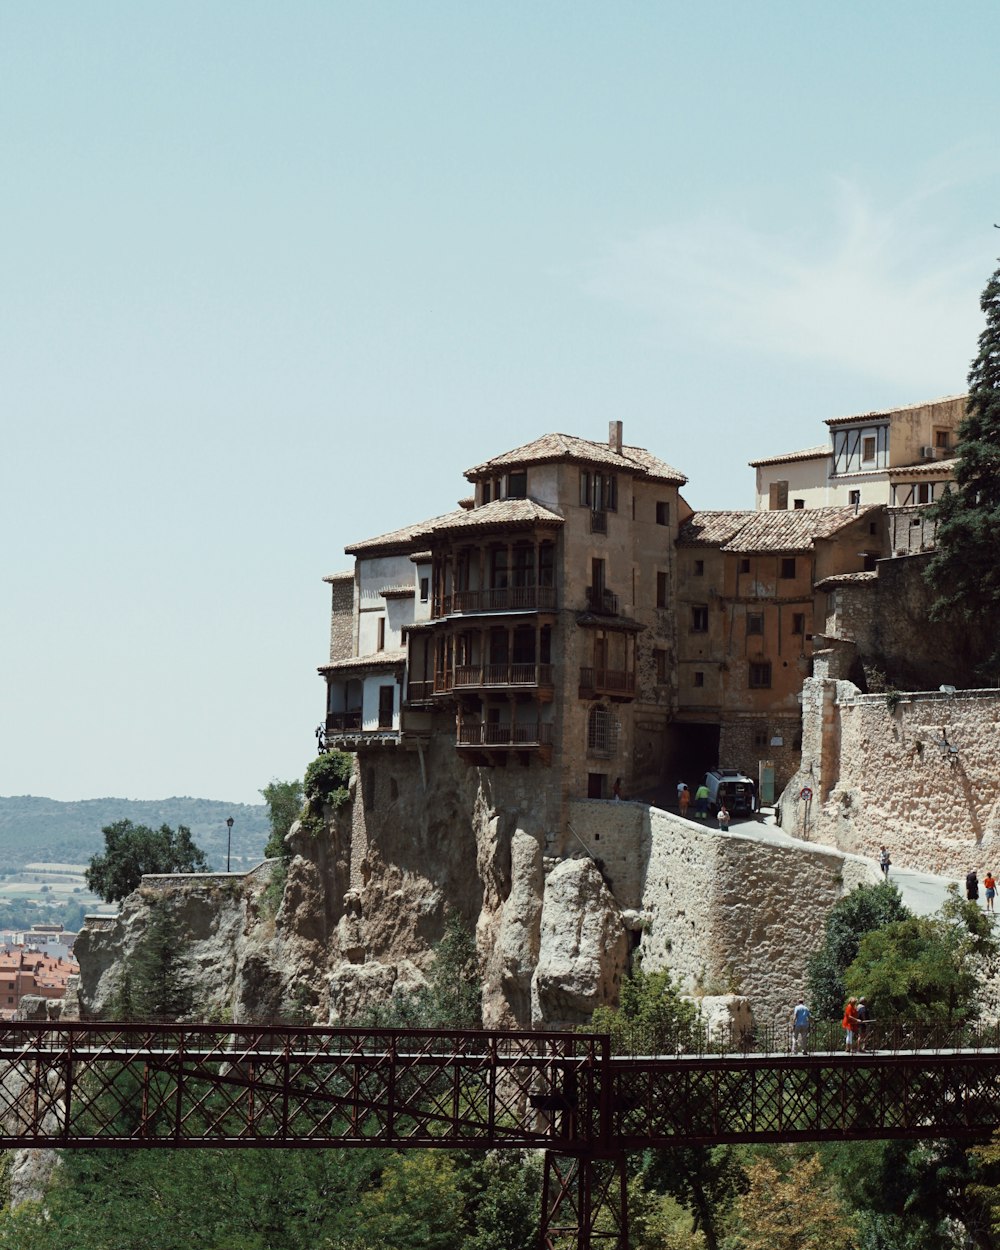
(229, 839)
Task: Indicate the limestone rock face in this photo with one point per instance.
(727, 1017)
(583, 947)
(242, 964)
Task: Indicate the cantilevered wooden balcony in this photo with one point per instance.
(617, 682)
(515, 736)
(495, 600)
(500, 676)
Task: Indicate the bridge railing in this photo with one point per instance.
(822, 1036)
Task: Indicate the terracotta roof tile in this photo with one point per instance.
(553, 447)
(400, 540)
(810, 453)
(346, 576)
(885, 413)
(500, 513)
(847, 579)
(926, 468)
(711, 529)
(397, 592)
(381, 659)
(789, 531)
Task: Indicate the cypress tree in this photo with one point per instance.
(964, 573)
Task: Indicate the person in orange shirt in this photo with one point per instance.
(850, 1023)
(990, 885)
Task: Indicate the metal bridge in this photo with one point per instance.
(81, 1084)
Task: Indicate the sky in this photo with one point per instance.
(275, 275)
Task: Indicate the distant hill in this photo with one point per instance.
(34, 829)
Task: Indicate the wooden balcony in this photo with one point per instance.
(601, 600)
(499, 599)
(612, 681)
(339, 722)
(532, 734)
(419, 691)
(482, 676)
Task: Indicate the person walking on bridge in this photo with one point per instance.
(850, 1023)
(990, 885)
(800, 1027)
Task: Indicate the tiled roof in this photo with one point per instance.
(347, 576)
(552, 447)
(500, 513)
(399, 540)
(382, 659)
(926, 468)
(847, 579)
(810, 453)
(777, 530)
(886, 413)
(421, 557)
(467, 502)
(397, 592)
(711, 529)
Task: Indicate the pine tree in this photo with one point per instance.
(964, 573)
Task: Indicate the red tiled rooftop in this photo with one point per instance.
(554, 447)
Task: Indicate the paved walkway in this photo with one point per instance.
(923, 893)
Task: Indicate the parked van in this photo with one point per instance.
(736, 789)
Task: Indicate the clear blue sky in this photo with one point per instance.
(274, 274)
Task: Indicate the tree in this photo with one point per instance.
(866, 908)
(964, 572)
(131, 851)
(158, 981)
(926, 968)
(794, 1208)
(284, 803)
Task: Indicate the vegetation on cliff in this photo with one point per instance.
(964, 570)
(132, 851)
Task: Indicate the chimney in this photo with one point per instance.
(615, 437)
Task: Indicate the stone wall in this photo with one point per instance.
(341, 616)
(915, 772)
(725, 912)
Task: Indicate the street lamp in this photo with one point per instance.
(229, 839)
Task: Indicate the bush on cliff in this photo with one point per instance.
(132, 851)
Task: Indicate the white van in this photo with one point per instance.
(735, 788)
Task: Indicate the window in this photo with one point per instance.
(599, 491)
(517, 484)
(699, 568)
(599, 731)
(486, 492)
(777, 496)
(868, 447)
(424, 589)
(755, 622)
(386, 701)
(745, 564)
(760, 738)
(661, 657)
(662, 512)
(661, 590)
(760, 675)
(854, 499)
(923, 492)
(798, 622)
(798, 503)
(788, 567)
(380, 644)
(699, 678)
(942, 438)
(699, 618)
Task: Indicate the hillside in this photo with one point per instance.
(38, 829)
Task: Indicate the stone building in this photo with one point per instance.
(900, 457)
(533, 626)
(747, 611)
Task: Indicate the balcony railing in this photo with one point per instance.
(534, 734)
(503, 675)
(598, 521)
(607, 680)
(496, 599)
(419, 691)
(337, 722)
(601, 600)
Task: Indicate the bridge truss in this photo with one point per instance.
(80, 1084)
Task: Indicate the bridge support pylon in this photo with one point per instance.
(584, 1202)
